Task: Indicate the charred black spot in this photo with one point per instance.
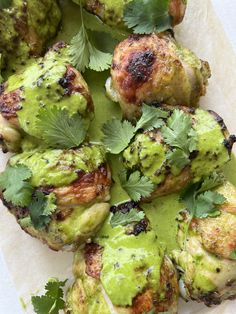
(156, 104)
(218, 119)
(211, 298)
(124, 207)
(140, 66)
(140, 227)
(2, 88)
(193, 155)
(135, 37)
(228, 143)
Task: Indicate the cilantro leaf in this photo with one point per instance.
(117, 135)
(233, 255)
(151, 118)
(59, 129)
(214, 180)
(41, 209)
(205, 204)
(15, 185)
(179, 134)
(147, 16)
(83, 53)
(201, 203)
(99, 61)
(135, 185)
(121, 219)
(79, 50)
(94, 23)
(52, 302)
(4, 4)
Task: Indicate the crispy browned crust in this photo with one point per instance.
(177, 10)
(93, 260)
(71, 82)
(10, 104)
(89, 187)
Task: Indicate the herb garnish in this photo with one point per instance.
(59, 129)
(136, 185)
(148, 16)
(52, 302)
(123, 219)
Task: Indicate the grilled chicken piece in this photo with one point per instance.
(155, 69)
(78, 183)
(207, 256)
(123, 271)
(25, 28)
(49, 81)
(149, 152)
(111, 12)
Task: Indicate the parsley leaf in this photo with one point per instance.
(4, 4)
(15, 185)
(151, 118)
(83, 53)
(148, 16)
(117, 135)
(179, 134)
(59, 129)
(41, 209)
(200, 202)
(233, 255)
(121, 219)
(135, 185)
(52, 302)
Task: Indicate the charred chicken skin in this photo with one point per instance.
(151, 151)
(49, 81)
(76, 184)
(155, 69)
(127, 273)
(207, 257)
(25, 28)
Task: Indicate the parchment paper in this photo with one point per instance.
(31, 263)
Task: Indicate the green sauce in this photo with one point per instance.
(58, 167)
(41, 88)
(130, 262)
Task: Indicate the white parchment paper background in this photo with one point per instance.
(30, 263)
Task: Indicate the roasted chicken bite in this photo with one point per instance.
(124, 270)
(25, 28)
(160, 153)
(111, 12)
(155, 69)
(206, 259)
(46, 82)
(76, 184)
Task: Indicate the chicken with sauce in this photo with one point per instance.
(76, 184)
(48, 81)
(25, 28)
(155, 153)
(111, 12)
(155, 69)
(124, 270)
(207, 259)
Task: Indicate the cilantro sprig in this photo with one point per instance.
(15, 186)
(52, 301)
(124, 219)
(17, 189)
(59, 129)
(148, 16)
(200, 201)
(83, 51)
(179, 134)
(118, 134)
(136, 185)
